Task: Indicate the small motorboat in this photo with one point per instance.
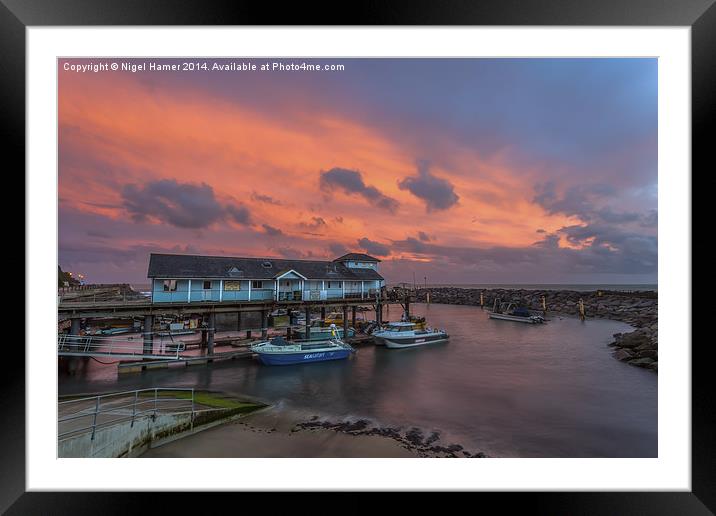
(322, 333)
(408, 335)
(511, 312)
(279, 351)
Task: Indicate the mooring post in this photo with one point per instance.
(264, 324)
(482, 300)
(148, 334)
(308, 322)
(210, 333)
(581, 309)
(353, 315)
(238, 321)
(544, 305)
(75, 324)
(323, 313)
(345, 321)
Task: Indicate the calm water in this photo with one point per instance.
(507, 389)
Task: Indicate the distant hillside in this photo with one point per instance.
(63, 277)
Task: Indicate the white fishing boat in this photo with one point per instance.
(511, 312)
(408, 335)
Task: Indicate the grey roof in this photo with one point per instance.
(191, 266)
(356, 257)
(366, 274)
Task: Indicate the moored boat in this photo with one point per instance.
(408, 335)
(510, 312)
(279, 351)
(322, 333)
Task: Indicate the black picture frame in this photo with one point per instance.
(700, 15)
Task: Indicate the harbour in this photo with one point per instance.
(499, 388)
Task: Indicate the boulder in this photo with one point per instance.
(623, 354)
(641, 362)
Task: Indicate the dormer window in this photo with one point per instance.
(266, 265)
(235, 271)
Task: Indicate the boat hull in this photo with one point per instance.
(302, 357)
(411, 342)
(515, 318)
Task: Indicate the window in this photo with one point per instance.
(170, 285)
(207, 285)
(257, 284)
(333, 284)
(267, 265)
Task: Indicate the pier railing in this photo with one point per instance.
(90, 414)
(89, 345)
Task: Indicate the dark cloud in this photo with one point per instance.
(374, 248)
(351, 182)
(438, 193)
(337, 249)
(315, 224)
(271, 231)
(424, 236)
(604, 250)
(265, 199)
(184, 205)
(588, 202)
(239, 213)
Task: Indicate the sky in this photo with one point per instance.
(448, 170)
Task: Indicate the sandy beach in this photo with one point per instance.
(272, 433)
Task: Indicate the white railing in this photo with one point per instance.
(94, 344)
(84, 415)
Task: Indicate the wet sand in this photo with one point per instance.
(273, 433)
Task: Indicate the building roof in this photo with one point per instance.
(359, 257)
(192, 266)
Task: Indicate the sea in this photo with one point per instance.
(502, 388)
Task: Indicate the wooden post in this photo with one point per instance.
(345, 321)
(581, 309)
(427, 295)
(210, 333)
(75, 324)
(264, 324)
(353, 315)
(308, 323)
(148, 334)
(544, 305)
(323, 313)
(482, 300)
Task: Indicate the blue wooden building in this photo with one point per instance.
(186, 278)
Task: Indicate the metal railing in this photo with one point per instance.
(85, 415)
(94, 344)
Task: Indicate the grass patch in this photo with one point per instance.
(209, 399)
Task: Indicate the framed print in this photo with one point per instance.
(423, 252)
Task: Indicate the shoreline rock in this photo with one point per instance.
(638, 309)
(412, 439)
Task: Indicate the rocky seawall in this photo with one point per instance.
(639, 309)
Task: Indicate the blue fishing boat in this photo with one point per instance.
(279, 351)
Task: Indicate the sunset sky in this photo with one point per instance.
(458, 170)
